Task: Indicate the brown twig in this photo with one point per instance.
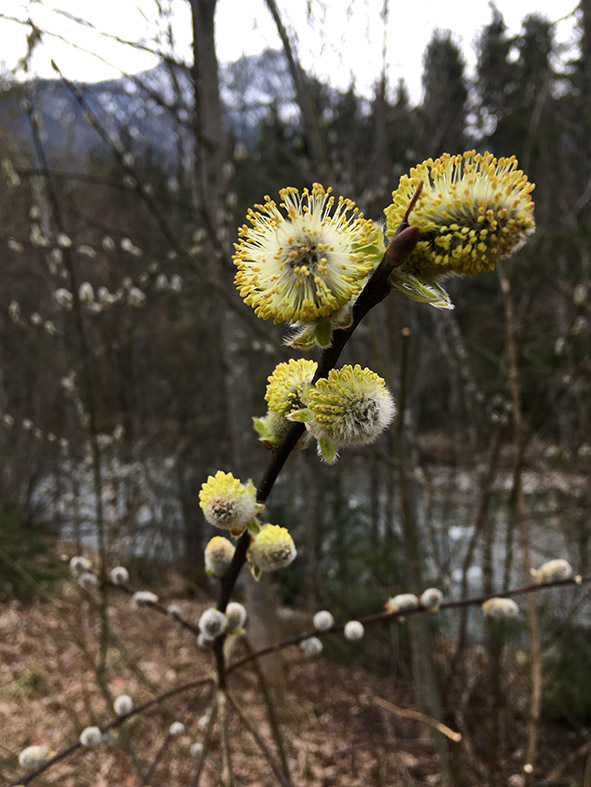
(281, 777)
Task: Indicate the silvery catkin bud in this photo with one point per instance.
(323, 620)
(402, 602)
(218, 556)
(431, 598)
(236, 616)
(553, 570)
(123, 705)
(143, 598)
(87, 580)
(312, 646)
(354, 630)
(119, 575)
(90, 736)
(35, 756)
(79, 564)
(500, 608)
(212, 623)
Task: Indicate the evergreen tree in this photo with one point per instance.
(444, 103)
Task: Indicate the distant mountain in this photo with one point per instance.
(149, 109)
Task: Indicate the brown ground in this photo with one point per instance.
(335, 734)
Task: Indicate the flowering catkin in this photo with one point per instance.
(227, 503)
(271, 549)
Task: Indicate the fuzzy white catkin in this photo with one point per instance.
(354, 630)
(176, 728)
(205, 642)
(431, 598)
(236, 615)
(143, 598)
(500, 608)
(553, 570)
(79, 564)
(34, 756)
(323, 620)
(196, 749)
(312, 646)
(123, 704)
(212, 623)
(402, 602)
(174, 611)
(119, 575)
(203, 721)
(87, 580)
(90, 736)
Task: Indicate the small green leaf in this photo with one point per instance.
(327, 449)
(302, 339)
(254, 527)
(301, 416)
(323, 333)
(262, 429)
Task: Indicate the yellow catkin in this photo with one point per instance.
(473, 210)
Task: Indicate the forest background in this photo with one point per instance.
(130, 369)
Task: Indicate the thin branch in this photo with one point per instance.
(282, 778)
(369, 619)
(407, 713)
(207, 739)
(64, 753)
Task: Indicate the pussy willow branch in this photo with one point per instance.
(337, 628)
(373, 293)
(61, 755)
(369, 619)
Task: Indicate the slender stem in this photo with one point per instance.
(61, 755)
(156, 759)
(227, 773)
(282, 778)
(206, 740)
(518, 519)
(272, 715)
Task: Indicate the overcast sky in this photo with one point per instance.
(341, 42)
